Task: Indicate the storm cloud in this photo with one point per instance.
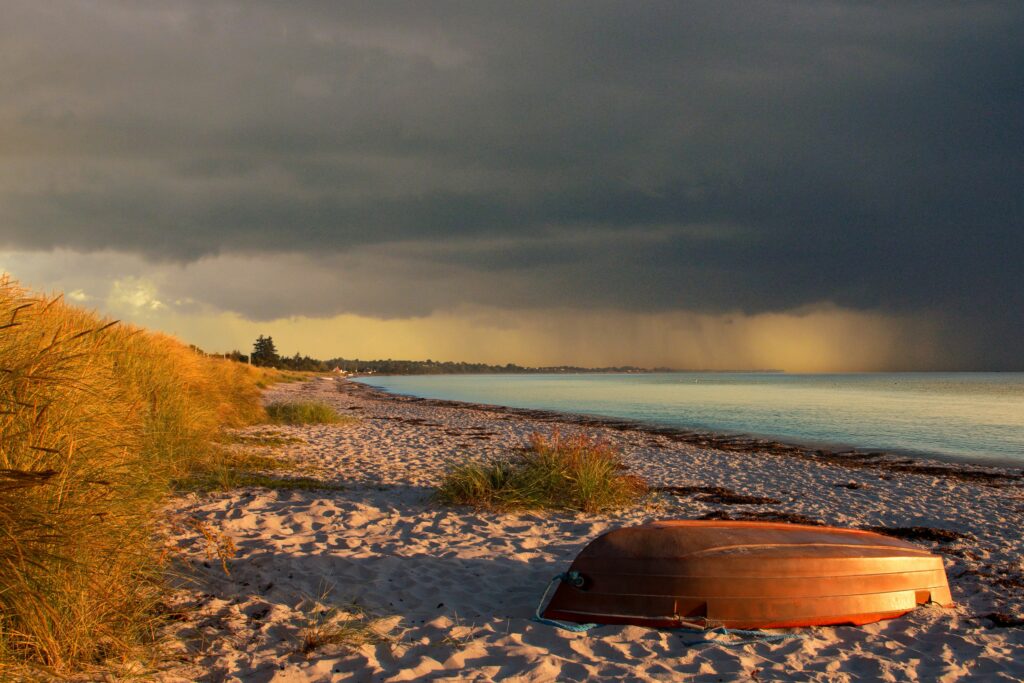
(405, 159)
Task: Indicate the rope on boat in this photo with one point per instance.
(574, 579)
(746, 637)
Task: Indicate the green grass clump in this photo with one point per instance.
(230, 478)
(287, 483)
(263, 439)
(229, 469)
(224, 469)
(576, 473)
(304, 413)
(271, 376)
(97, 421)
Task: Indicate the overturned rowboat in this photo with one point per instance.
(746, 575)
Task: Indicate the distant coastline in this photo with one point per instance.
(390, 366)
(265, 354)
(429, 367)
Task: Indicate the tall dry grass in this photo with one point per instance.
(96, 420)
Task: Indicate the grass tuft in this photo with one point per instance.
(224, 469)
(266, 439)
(350, 627)
(305, 412)
(285, 483)
(576, 473)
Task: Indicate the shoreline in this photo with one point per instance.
(854, 458)
(454, 588)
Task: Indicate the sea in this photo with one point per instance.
(965, 417)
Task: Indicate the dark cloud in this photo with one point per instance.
(714, 156)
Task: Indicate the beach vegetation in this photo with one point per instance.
(285, 483)
(98, 420)
(263, 439)
(229, 468)
(350, 626)
(269, 377)
(305, 412)
(575, 472)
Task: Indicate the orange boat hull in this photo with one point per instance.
(747, 575)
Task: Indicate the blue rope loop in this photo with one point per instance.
(746, 637)
(573, 579)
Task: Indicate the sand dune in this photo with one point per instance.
(455, 588)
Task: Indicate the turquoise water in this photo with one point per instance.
(960, 416)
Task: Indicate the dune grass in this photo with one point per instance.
(97, 420)
(576, 472)
(304, 413)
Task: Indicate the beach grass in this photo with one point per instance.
(286, 483)
(97, 422)
(328, 625)
(224, 469)
(304, 413)
(576, 472)
(271, 439)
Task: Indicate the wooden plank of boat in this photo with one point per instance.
(747, 575)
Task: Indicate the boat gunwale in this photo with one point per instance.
(707, 598)
(914, 549)
(589, 574)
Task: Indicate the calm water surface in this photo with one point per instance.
(961, 416)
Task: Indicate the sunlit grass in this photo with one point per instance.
(263, 439)
(305, 412)
(97, 421)
(578, 472)
(224, 469)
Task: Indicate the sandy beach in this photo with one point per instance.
(453, 589)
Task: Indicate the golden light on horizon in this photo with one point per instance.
(821, 339)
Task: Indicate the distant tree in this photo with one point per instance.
(264, 353)
(238, 356)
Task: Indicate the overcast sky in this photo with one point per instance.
(808, 185)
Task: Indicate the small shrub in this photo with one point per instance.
(577, 473)
(304, 413)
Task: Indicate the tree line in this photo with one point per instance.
(264, 353)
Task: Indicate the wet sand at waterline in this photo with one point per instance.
(454, 588)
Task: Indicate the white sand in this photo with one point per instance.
(465, 583)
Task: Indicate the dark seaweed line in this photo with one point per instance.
(852, 459)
